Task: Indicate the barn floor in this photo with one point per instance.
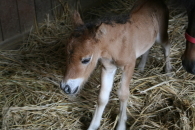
(30, 97)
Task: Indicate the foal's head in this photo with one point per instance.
(82, 56)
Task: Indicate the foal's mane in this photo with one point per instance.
(91, 27)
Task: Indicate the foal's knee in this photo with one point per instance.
(103, 99)
(123, 95)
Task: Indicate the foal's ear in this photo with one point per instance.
(101, 31)
(77, 19)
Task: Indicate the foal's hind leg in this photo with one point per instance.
(123, 94)
(108, 72)
(142, 62)
(167, 58)
(163, 40)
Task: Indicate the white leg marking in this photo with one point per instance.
(106, 86)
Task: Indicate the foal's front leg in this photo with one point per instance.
(108, 72)
(123, 94)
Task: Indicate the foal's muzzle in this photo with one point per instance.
(71, 86)
(67, 89)
(189, 65)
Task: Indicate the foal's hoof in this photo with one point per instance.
(168, 72)
(140, 70)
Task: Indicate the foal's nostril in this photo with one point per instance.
(67, 89)
(76, 90)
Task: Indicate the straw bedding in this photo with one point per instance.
(30, 97)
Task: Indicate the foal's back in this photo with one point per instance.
(148, 23)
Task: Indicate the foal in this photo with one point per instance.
(115, 42)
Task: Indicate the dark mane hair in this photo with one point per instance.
(91, 27)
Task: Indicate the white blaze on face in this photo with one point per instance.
(71, 86)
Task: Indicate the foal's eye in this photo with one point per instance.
(85, 60)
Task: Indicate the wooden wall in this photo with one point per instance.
(17, 16)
